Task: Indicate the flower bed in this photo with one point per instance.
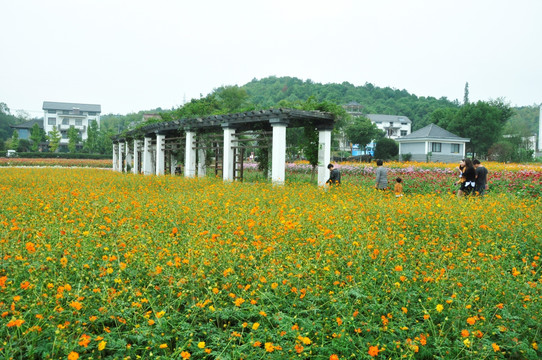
(99, 264)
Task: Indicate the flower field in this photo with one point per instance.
(94, 163)
(103, 265)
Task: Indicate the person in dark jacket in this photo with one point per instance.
(334, 175)
(468, 179)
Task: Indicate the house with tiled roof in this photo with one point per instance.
(24, 130)
(432, 143)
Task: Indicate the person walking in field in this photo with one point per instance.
(468, 179)
(334, 176)
(481, 178)
(381, 175)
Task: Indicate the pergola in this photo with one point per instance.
(145, 148)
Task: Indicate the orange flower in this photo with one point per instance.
(16, 323)
(471, 320)
(269, 347)
(163, 346)
(73, 356)
(298, 348)
(373, 351)
(76, 305)
(465, 333)
(84, 340)
(333, 357)
(185, 355)
(398, 268)
(30, 247)
(495, 347)
(25, 285)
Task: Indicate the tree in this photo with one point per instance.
(481, 122)
(36, 135)
(14, 144)
(54, 139)
(362, 131)
(91, 144)
(386, 149)
(73, 139)
(466, 95)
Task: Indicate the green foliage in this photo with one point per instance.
(14, 144)
(362, 131)
(73, 139)
(54, 139)
(270, 91)
(37, 136)
(91, 144)
(386, 149)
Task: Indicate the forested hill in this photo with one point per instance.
(269, 92)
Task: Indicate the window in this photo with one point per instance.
(64, 134)
(391, 123)
(51, 111)
(436, 147)
(51, 121)
(404, 133)
(65, 121)
(79, 122)
(91, 113)
(455, 148)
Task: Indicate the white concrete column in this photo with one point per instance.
(160, 154)
(147, 156)
(324, 154)
(278, 162)
(202, 169)
(540, 130)
(128, 156)
(115, 157)
(227, 156)
(190, 154)
(121, 156)
(135, 168)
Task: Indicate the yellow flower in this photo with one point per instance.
(255, 326)
(495, 347)
(101, 345)
(163, 346)
(201, 344)
(440, 307)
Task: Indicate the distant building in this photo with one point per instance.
(433, 144)
(25, 129)
(394, 126)
(64, 115)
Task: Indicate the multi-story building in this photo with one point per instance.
(64, 115)
(394, 126)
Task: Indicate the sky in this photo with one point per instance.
(132, 55)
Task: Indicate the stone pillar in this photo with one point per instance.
(202, 170)
(278, 162)
(227, 156)
(147, 156)
(160, 154)
(115, 157)
(190, 154)
(128, 156)
(121, 156)
(137, 145)
(324, 154)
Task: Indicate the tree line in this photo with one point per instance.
(495, 129)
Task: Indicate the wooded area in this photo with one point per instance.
(485, 122)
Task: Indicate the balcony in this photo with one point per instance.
(67, 127)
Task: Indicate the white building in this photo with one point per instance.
(393, 125)
(64, 115)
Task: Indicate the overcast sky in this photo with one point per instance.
(137, 55)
